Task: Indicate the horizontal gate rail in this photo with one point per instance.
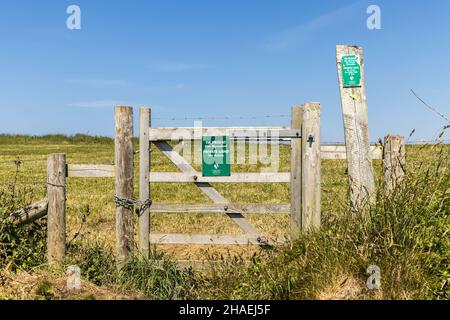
(270, 133)
(220, 208)
(207, 239)
(328, 152)
(235, 177)
(91, 171)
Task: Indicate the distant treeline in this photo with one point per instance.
(54, 139)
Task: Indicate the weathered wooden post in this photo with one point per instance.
(311, 167)
(123, 156)
(296, 175)
(56, 221)
(144, 183)
(394, 160)
(350, 65)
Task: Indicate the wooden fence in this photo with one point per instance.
(304, 178)
(304, 207)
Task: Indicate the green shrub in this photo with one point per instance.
(95, 260)
(158, 278)
(44, 290)
(406, 233)
(21, 246)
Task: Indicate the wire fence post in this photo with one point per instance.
(123, 155)
(144, 183)
(311, 167)
(296, 175)
(56, 221)
(394, 161)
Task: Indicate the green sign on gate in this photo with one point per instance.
(351, 71)
(216, 156)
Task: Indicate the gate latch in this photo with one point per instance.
(310, 139)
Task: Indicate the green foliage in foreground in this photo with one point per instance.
(157, 278)
(21, 246)
(405, 233)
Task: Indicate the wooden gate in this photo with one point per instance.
(304, 178)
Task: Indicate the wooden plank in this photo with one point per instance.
(108, 171)
(212, 239)
(220, 208)
(394, 161)
(56, 222)
(203, 266)
(236, 133)
(376, 152)
(180, 177)
(356, 129)
(311, 167)
(30, 213)
(205, 187)
(90, 171)
(144, 186)
(175, 157)
(329, 152)
(123, 155)
(211, 192)
(184, 166)
(296, 175)
(242, 222)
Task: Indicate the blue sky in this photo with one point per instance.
(218, 58)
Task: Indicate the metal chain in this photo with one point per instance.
(141, 206)
(263, 241)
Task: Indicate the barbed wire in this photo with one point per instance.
(430, 107)
(331, 143)
(18, 160)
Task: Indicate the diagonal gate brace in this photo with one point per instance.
(206, 187)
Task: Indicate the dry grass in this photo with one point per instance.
(47, 284)
(405, 236)
(91, 199)
(343, 287)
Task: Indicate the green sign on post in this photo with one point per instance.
(351, 71)
(216, 156)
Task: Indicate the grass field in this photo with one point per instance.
(91, 210)
(95, 195)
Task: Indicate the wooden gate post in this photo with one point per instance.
(144, 183)
(356, 129)
(123, 155)
(56, 221)
(394, 160)
(296, 175)
(311, 167)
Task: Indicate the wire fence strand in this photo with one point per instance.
(224, 117)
